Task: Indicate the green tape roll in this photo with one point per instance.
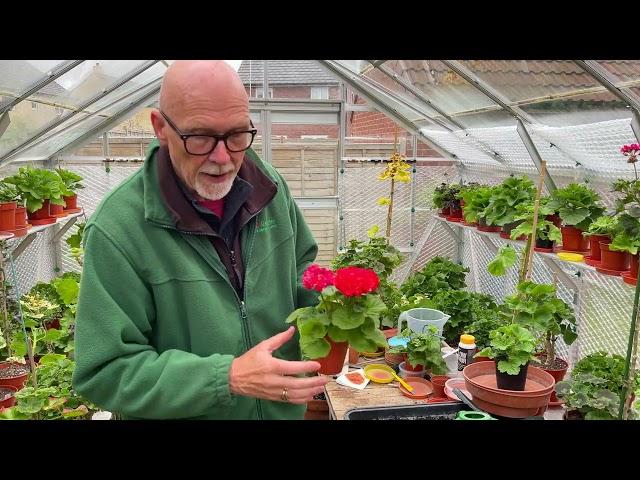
(466, 415)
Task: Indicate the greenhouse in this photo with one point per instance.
(319, 239)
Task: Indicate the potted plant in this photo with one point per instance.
(380, 256)
(9, 197)
(627, 237)
(594, 389)
(464, 191)
(504, 202)
(437, 274)
(601, 230)
(512, 347)
(423, 351)
(72, 184)
(536, 307)
(464, 309)
(578, 206)
(547, 233)
(348, 313)
(445, 197)
(39, 188)
(475, 202)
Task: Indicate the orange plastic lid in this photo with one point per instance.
(421, 388)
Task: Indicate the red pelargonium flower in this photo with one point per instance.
(353, 281)
(317, 278)
(631, 151)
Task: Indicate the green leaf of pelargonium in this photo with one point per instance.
(68, 290)
(300, 314)
(373, 306)
(346, 320)
(509, 367)
(314, 347)
(312, 328)
(337, 334)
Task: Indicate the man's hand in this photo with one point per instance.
(258, 374)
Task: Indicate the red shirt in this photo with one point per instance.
(216, 206)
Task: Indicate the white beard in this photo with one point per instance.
(213, 191)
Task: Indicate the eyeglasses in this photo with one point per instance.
(197, 144)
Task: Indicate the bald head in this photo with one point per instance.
(202, 83)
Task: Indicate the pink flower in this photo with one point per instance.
(354, 281)
(631, 151)
(317, 278)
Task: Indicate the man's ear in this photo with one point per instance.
(159, 125)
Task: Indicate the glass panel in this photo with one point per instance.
(18, 75)
(56, 99)
(622, 70)
(60, 137)
(495, 118)
(520, 80)
(442, 86)
(257, 141)
(577, 110)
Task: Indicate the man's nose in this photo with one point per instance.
(219, 154)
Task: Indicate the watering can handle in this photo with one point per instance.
(402, 318)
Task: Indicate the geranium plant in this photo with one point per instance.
(505, 199)
(348, 311)
(438, 274)
(577, 205)
(512, 347)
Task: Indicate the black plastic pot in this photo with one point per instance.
(512, 382)
(544, 243)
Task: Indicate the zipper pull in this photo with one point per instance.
(243, 310)
(233, 258)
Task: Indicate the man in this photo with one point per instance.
(192, 266)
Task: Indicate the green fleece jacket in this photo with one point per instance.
(158, 321)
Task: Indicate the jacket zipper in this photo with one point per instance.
(241, 301)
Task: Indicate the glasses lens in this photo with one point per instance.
(236, 142)
(199, 145)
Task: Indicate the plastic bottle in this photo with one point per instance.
(466, 350)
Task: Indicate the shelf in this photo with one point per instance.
(26, 240)
(549, 258)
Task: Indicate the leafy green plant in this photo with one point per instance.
(445, 195)
(347, 311)
(476, 200)
(37, 185)
(536, 306)
(595, 386)
(75, 244)
(604, 225)
(71, 180)
(577, 205)
(512, 347)
(545, 230)
(482, 327)
(626, 237)
(464, 308)
(506, 197)
(8, 193)
(438, 274)
(505, 259)
(425, 349)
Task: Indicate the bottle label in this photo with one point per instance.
(465, 357)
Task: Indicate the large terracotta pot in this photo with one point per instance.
(573, 240)
(71, 202)
(558, 370)
(611, 260)
(17, 379)
(595, 246)
(7, 216)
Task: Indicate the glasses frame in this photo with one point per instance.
(184, 136)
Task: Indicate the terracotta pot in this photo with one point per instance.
(390, 332)
(633, 265)
(444, 212)
(56, 210)
(393, 359)
(595, 245)
(354, 356)
(41, 214)
(71, 202)
(52, 324)
(21, 217)
(334, 361)
(7, 216)
(438, 382)
(610, 260)
(573, 240)
(481, 359)
(317, 410)
(483, 227)
(555, 219)
(512, 382)
(557, 373)
(572, 415)
(16, 381)
(481, 382)
(455, 211)
(11, 401)
(413, 368)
